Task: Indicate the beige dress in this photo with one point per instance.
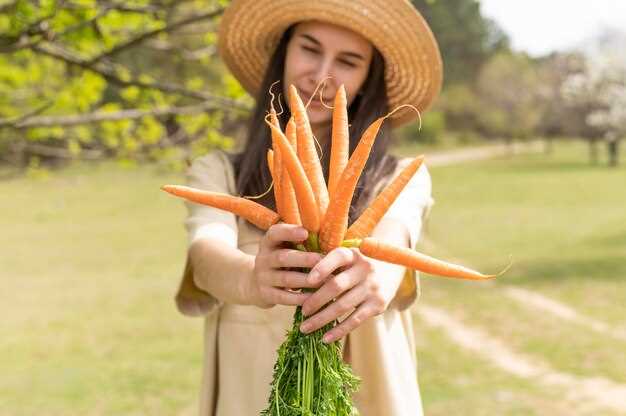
(240, 342)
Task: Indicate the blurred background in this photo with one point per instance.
(103, 101)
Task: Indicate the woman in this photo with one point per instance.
(385, 55)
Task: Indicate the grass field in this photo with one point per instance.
(91, 258)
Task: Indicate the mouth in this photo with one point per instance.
(306, 96)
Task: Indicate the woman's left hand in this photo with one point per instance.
(357, 288)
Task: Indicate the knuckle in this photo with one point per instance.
(375, 288)
(312, 258)
(283, 278)
(282, 256)
(344, 253)
(343, 306)
(368, 266)
(336, 285)
(269, 235)
(282, 297)
(379, 306)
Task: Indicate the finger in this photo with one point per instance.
(286, 278)
(330, 290)
(285, 297)
(279, 233)
(335, 310)
(294, 258)
(337, 258)
(356, 319)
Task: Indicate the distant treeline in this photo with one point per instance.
(141, 80)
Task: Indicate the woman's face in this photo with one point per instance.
(319, 50)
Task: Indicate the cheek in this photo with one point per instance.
(353, 84)
(288, 75)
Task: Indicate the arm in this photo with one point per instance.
(233, 276)
(216, 270)
(221, 269)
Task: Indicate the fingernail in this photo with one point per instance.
(313, 276)
(327, 338)
(303, 233)
(305, 327)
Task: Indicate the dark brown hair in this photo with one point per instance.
(251, 170)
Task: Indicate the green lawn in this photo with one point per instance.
(91, 258)
(564, 223)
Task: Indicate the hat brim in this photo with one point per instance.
(251, 29)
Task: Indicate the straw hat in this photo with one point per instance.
(251, 29)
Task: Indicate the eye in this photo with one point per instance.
(310, 49)
(347, 64)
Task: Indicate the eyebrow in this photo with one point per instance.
(345, 53)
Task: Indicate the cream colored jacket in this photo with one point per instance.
(240, 342)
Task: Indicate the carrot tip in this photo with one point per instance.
(170, 189)
(506, 269)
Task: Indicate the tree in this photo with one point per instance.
(601, 90)
(95, 78)
(509, 105)
(466, 38)
(560, 117)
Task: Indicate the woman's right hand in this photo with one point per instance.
(271, 277)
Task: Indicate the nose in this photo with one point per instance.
(323, 70)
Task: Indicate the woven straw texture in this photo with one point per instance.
(251, 29)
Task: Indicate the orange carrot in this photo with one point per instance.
(309, 213)
(273, 160)
(307, 152)
(336, 222)
(270, 162)
(412, 259)
(289, 201)
(365, 224)
(256, 213)
(290, 133)
(340, 143)
(278, 168)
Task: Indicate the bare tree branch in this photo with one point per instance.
(31, 37)
(142, 37)
(59, 152)
(98, 117)
(13, 121)
(113, 78)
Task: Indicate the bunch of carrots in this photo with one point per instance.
(310, 377)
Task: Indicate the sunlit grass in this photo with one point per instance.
(564, 223)
(91, 258)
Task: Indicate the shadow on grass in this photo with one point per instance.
(609, 241)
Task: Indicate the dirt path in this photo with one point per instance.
(588, 393)
(562, 311)
(483, 152)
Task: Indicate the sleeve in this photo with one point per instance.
(412, 208)
(212, 172)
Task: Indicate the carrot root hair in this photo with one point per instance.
(419, 115)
